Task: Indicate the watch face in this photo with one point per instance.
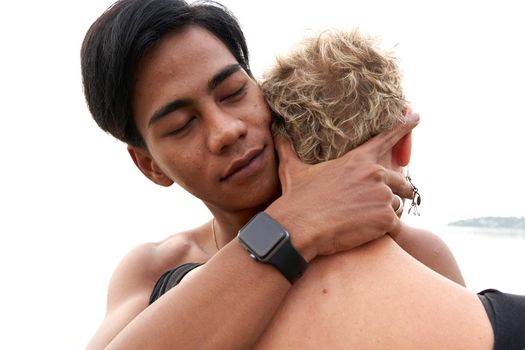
(261, 235)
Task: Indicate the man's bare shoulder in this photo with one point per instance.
(423, 244)
(135, 276)
(140, 269)
(431, 250)
(419, 240)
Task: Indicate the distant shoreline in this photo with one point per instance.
(511, 222)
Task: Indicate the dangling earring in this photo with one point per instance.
(416, 198)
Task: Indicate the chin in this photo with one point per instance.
(261, 196)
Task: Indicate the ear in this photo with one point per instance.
(148, 166)
(402, 150)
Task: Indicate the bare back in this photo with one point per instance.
(377, 297)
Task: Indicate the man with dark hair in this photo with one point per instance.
(172, 81)
(114, 46)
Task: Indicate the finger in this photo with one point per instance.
(395, 228)
(288, 160)
(383, 143)
(397, 205)
(285, 151)
(399, 184)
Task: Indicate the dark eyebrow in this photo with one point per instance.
(167, 109)
(222, 76)
(218, 78)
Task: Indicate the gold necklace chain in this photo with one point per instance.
(214, 234)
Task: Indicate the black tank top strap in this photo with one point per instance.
(170, 279)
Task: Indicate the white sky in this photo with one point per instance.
(72, 203)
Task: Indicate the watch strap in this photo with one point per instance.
(288, 260)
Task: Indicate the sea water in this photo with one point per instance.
(488, 257)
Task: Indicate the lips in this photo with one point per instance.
(241, 164)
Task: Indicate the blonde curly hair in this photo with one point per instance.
(333, 92)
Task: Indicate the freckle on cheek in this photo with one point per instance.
(325, 291)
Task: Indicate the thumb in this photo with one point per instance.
(288, 160)
(285, 151)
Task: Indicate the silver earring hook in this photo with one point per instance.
(416, 198)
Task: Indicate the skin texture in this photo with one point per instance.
(218, 146)
(196, 144)
(377, 297)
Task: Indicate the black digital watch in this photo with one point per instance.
(268, 242)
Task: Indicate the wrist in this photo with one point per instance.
(300, 236)
(267, 241)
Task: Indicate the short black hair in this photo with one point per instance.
(117, 41)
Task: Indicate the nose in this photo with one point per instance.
(224, 131)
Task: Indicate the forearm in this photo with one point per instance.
(225, 305)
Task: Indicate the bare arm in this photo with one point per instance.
(231, 299)
(225, 304)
